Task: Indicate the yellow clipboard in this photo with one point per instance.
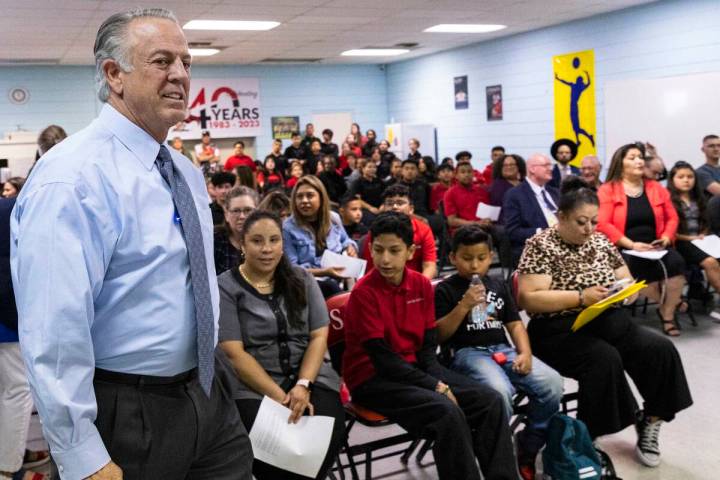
(597, 308)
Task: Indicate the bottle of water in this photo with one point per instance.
(478, 314)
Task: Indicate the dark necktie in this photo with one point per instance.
(548, 203)
(192, 233)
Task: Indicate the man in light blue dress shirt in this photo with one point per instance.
(108, 304)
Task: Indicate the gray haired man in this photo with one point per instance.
(117, 294)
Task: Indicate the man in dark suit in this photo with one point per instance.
(563, 151)
(531, 206)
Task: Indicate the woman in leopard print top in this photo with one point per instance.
(563, 270)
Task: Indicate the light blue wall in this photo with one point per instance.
(660, 39)
(66, 96)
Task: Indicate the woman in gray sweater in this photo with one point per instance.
(274, 328)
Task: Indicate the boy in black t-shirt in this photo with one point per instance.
(481, 348)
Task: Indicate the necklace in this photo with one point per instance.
(635, 194)
(256, 286)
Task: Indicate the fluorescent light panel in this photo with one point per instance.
(374, 52)
(203, 52)
(229, 25)
(464, 28)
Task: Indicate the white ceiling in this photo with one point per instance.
(64, 30)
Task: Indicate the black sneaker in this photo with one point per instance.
(648, 448)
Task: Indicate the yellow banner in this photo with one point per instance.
(574, 80)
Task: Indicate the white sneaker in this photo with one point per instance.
(648, 448)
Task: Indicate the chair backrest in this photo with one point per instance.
(514, 286)
(336, 336)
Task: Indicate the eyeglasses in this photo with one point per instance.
(241, 211)
(395, 203)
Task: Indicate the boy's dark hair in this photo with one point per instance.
(295, 134)
(462, 164)
(239, 142)
(410, 160)
(220, 178)
(347, 198)
(396, 190)
(328, 132)
(709, 137)
(445, 166)
(498, 148)
(393, 223)
(470, 235)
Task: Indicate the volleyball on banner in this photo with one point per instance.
(226, 108)
(575, 100)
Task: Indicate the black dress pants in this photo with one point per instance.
(167, 428)
(326, 402)
(599, 354)
(477, 428)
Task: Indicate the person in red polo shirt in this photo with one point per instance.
(389, 364)
(239, 158)
(396, 198)
(461, 203)
(446, 179)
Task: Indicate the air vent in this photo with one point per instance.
(408, 45)
(8, 62)
(290, 60)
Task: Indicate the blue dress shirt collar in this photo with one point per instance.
(144, 147)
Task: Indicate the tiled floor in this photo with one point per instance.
(690, 444)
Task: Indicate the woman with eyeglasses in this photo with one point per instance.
(691, 206)
(637, 214)
(239, 203)
(313, 228)
(274, 329)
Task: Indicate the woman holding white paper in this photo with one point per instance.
(563, 270)
(274, 328)
(636, 214)
(691, 206)
(311, 229)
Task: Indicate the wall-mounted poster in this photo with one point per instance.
(283, 127)
(575, 101)
(227, 108)
(493, 96)
(461, 93)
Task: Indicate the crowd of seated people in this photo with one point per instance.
(275, 219)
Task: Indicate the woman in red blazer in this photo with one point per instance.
(637, 214)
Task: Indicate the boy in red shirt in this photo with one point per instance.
(461, 203)
(396, 198)
(239, 158)
(389, 364)
(438, 190)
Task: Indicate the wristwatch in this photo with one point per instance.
(304, 382)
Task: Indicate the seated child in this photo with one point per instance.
(351, 213)
(390, 366)
(480, 346)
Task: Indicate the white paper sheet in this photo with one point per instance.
(710, 245)
(354, 267)
(487, 211)
(650, 255)
(299, 447)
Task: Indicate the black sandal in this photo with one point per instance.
(673, 331)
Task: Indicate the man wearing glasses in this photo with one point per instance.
(396, 198)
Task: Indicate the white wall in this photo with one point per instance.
(660, 39)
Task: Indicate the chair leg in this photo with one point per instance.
(426, 447)
(408, 452)
(368, 465)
